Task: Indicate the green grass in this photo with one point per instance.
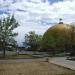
(20, 56)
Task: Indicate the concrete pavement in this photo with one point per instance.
(63, 62)
(10, 61)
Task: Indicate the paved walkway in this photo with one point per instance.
(63, 62)
(9, 61)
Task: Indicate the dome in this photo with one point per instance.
(57, 36)
(58, 28)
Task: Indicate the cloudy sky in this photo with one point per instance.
(37, 15)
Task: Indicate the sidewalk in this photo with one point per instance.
(63, 62)
(10, 61)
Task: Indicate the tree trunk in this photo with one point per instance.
(4, 52)
(4, 48)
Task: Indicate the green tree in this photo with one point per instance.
(54, 41)
(33, 40)
(7, 25)
(72, 40)
(59, 38)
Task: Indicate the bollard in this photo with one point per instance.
(47, 59)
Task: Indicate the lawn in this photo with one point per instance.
(20, 56)
(34, 68)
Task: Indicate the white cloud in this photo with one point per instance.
(36, 15)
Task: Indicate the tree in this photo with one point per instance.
(32, 40)
(7, 25)
(72, 40)
(60, 37)
(54, 41)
